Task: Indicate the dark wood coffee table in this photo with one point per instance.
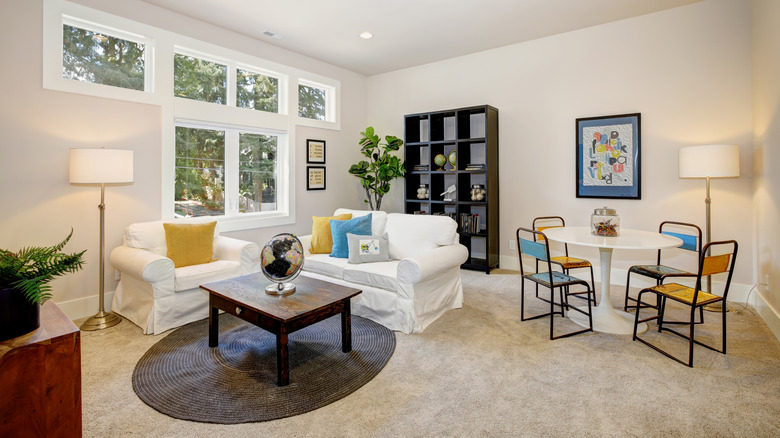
(313, 301)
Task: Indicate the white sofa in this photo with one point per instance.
(411, 291)
(156, 296)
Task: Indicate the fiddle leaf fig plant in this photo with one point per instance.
(380, 168)
(30, 269)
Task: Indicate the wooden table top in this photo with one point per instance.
(310, 294)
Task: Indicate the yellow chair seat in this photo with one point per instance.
(570, 262)
(684, 294)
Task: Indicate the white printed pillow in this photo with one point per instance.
(367, 249)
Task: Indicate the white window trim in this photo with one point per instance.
(160, 48)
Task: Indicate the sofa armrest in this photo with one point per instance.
(246, 253)
(422, 267)
(142, 264)
(305, 242)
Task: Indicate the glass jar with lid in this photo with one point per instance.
(605, 222)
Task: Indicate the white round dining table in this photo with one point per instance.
(605, 317)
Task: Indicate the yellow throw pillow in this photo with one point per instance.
(321, 240)
(190, 244)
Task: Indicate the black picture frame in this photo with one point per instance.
(315, 151)
(609, 158)
(315, 178)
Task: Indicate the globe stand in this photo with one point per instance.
(280, 289)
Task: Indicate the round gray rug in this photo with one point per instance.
(182, 377)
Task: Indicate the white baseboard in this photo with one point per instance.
(84, 307)
(769, 314)
(739, 293)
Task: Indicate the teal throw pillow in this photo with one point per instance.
(339, 229)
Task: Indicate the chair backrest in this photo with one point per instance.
(691, 236)
(721, 262)
(529, 243)
(542, 223)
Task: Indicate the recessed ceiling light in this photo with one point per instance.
(366, 35)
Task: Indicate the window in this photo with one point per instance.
(101, 58)
(228, 118)
(202, 174)
(257, 91)
(198, 79)
(311, 102)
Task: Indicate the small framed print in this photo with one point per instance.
(315, 151)
(315, 177)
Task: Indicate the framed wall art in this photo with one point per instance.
(609, 157)
(315, 177)
(315, 151)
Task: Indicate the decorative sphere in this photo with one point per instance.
(453, 157)
(282, 258)
(440, 160)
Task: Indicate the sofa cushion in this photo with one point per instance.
(411, 235)
(324, 264)
(368, 249)
(191, 277)
(190, 244)
(381, 275)
(321, 240)
(151, 235)
(378, 218)
(339, 229)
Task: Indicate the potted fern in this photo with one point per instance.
(381, 167)
(24, 284)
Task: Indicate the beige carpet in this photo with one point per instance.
(479, 371)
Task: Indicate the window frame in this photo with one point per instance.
(160, 46)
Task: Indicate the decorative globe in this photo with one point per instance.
(452, 158)
(440, 160)
(281, 260)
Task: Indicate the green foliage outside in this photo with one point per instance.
(381, 167)
(102, 59)
(311, 102)
(257, 169)
(31, 269)
(198, 79)
(257, 91)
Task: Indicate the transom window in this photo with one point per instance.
(101, 58)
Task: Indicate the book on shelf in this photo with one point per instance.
(468, 223)
(471, 166)
(442, 213)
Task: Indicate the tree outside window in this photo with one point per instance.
(102, 59)
(200, 172)
(311, 102)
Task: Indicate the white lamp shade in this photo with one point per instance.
(96, 166)
(714, 161)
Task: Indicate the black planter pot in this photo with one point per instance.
(17, 315)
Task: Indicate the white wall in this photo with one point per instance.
(766, 154)
(39, 126)
(686, 70)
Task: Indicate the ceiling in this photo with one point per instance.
(406, 32)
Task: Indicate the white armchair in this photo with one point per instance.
(155, 295)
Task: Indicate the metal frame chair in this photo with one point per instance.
(550, 280)
(659, 272)
(565, 262)
(695, 298)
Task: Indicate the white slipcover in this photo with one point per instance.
(156, 296)
(411, 291)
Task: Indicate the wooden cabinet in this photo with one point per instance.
(40, 379)
(470, 136)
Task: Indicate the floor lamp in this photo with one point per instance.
(710, 161)
(101, 166)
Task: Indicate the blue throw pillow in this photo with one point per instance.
(339, 229)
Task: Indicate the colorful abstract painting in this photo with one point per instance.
(608, 164)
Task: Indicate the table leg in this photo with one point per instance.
(213, 326)
(605, 317)
(346, 328)
(282, 359)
